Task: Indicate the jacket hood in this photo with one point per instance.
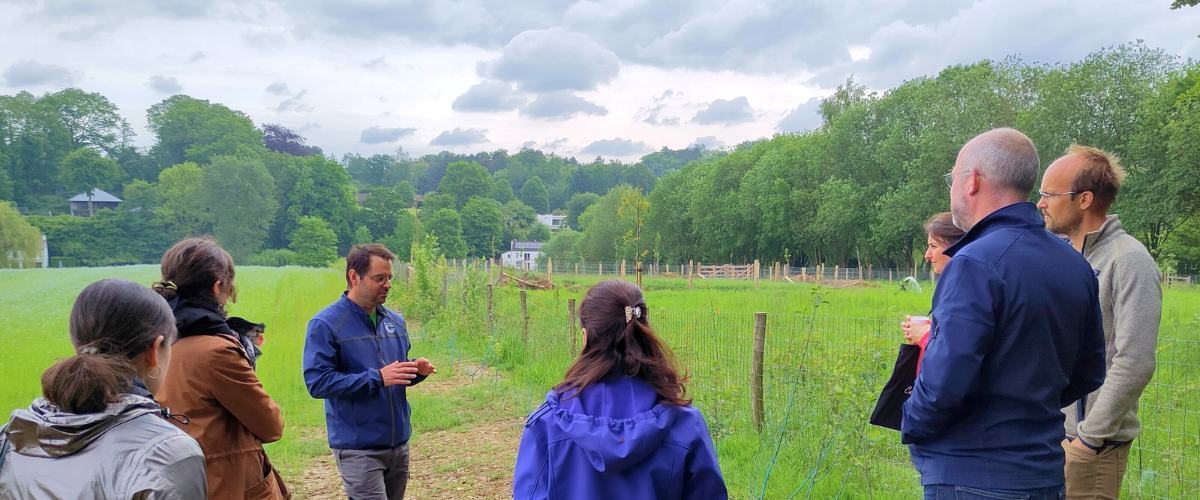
(44, 430)
(197, 317)
(617, 423)
(1021, 214)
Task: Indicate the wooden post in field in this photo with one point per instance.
(622, 268)
(756, 370)
(756, 272)
(550, 270)
(572, 330)
(835, 273)
(576, 269)
(870, 273)
(445, 289)
(804, 273)
(889, 275)
(489, 299)
(524, 318)
(691, 268)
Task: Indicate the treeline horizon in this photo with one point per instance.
(853, 191)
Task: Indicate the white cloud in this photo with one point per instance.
(616, 147)
(32, 73)
(460, 137)
(382, 135)
(488, 97)
(726, 112)
(561, 105)
(553, 59)
(165, 85)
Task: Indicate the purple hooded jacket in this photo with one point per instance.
(615, 441)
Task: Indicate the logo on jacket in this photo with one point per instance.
(391, 328)
(1096, 272)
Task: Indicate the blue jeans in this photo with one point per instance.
(948, 492)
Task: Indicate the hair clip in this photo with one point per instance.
(632, 312)
(89, 350)
(164, 285)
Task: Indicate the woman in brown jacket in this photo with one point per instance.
(211, 380)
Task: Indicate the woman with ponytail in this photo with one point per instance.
(212, 379)
(619, 426)
(97, 432)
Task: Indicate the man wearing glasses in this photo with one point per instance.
(356, 359)
(1077, 191)
(1016, 336)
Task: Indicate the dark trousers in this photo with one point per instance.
(374, 474)
(948, 492)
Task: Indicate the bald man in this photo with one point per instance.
(1016, 336)
(1077, 192)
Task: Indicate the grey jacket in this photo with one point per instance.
(129, 451)
(1131, 303)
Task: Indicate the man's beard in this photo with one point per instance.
(960, 214)
(1067, 225)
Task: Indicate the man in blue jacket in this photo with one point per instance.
(356, 359)
(1016, 336)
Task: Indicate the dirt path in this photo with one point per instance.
(470, 461)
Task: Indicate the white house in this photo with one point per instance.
(554, 221)
(522, 255)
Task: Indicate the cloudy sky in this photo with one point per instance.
(616, 78)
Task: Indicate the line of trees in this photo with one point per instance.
(267, 195)
(852, 192)
(857, 190)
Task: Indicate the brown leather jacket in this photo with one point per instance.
(210, 380)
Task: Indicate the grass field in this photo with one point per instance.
(827, 353)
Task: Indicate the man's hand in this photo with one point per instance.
(398, 373)
(424, 367)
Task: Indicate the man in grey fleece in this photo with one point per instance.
(1077, 191)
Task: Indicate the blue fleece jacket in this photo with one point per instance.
(343, 353)
(1016, 336)
(615, 441)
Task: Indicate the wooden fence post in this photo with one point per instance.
(622, 268)
(550, 270)
(835, 273)
(870, 273)
(691, 269)
(489, 307)
(524, 318)
(756, 273)
(572, 331)
(576, 269)
(756, 370)
(889, 276)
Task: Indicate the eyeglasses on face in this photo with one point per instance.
(380, 279)
(1045, 194)
(950, 177)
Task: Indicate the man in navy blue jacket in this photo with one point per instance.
(356, 359)
(1016, 336)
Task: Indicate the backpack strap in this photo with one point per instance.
(3, 444)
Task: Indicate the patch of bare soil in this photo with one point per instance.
(474, 461)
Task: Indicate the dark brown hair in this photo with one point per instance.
(941, 227)
(1101, 174)
(192, 266)
(112, 322)
(359, 258)
(617, 347)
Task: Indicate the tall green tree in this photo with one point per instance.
(314, 242)
(240, 195)
(534, 194)
(465, 180)
(483, 227)
(91, 120)
(189, 129)
(85, 171)
(17, 235)
(447, 227)
(502, 191)
(576, 205)
(181, 190)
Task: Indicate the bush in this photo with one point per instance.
(314, 243)
(273, 258)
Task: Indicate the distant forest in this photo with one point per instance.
(852, 192)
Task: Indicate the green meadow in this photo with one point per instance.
(826, 354)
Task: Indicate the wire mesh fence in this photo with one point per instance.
(817, 379)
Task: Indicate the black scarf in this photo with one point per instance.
(197, 316)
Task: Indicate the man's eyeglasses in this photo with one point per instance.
(1044, 194)
(380, 279)
(950, 177)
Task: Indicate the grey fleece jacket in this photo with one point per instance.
(1131, 304)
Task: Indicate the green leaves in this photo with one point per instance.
(314, 243)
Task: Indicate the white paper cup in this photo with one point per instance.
(919, 320)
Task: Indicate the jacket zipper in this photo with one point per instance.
(382, 363)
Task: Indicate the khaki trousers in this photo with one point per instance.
(1092, 476)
